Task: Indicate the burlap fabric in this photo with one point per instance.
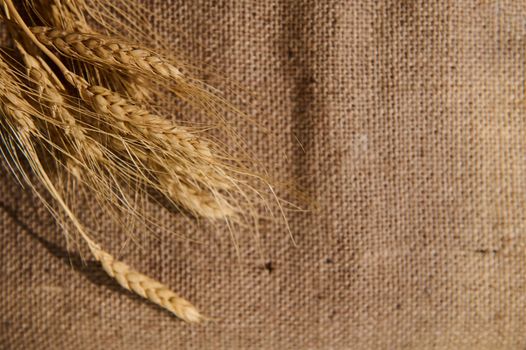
(412, 119)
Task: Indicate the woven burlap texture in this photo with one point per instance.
(412, 124)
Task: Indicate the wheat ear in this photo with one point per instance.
(146, 287)
(68, 16)
(102, 50)
(14, 106)
(50, 91)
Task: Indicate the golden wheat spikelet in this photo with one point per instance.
(102, 50)
(146, 287)
(50, 90)
(68, 16)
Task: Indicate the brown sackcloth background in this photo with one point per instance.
(412, 119)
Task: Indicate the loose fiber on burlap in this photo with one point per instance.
(411, 121)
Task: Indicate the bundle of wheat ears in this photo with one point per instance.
(77, 99)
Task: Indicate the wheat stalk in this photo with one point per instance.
(128, 278)
(21, 115)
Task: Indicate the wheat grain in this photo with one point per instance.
(138, 120)
(196, 200)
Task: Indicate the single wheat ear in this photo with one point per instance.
(68, 16)
(106, 51)
(146, 287)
